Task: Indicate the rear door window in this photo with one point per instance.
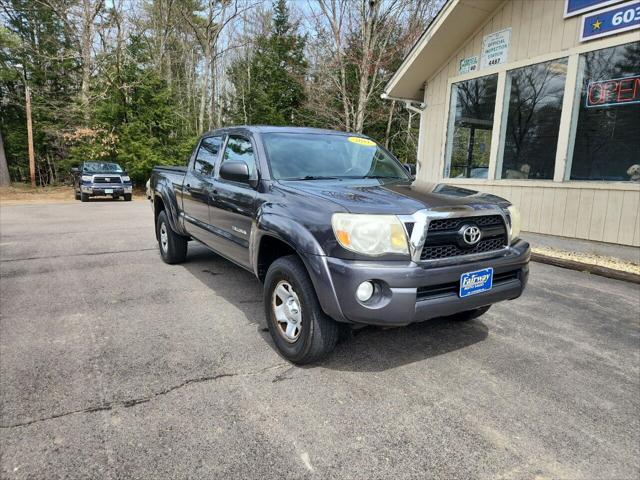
(208, 153)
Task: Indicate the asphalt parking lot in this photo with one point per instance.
(115, 365)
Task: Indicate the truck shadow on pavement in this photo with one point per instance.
(370, 349)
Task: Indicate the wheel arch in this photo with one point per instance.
(275, 236)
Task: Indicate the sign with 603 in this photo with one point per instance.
(612, 20)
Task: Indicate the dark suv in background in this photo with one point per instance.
(101, 179)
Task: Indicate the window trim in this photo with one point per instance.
(568, 123)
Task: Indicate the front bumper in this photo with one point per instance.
(101, 190)
(412, 292)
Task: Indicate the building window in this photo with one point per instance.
(607, 131)
(470, 127)
(532, 120)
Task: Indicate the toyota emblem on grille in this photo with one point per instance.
(107, 179)
(471, 234)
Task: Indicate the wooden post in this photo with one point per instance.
(32, 159)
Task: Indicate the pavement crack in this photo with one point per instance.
(137, 401)
(88, 254)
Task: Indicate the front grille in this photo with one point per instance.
(443, 237)
(105, 179)
(455, 223)
(445, 251)
(453, 288)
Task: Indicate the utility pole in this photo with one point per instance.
(32, 159)
(5, 180)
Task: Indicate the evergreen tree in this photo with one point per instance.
(269, 83)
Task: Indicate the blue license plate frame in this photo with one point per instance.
(478, 281)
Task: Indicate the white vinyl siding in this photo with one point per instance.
(601, 211)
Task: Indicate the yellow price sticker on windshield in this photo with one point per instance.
(362, 141)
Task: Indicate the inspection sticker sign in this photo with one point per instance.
(468, 65)
(495, 48)
(609, 21)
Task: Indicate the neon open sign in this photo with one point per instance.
(617, 91)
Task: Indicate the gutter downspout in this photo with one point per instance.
(408, 104)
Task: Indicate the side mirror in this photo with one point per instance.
(411, 168)
(75, 170)
(235, 171)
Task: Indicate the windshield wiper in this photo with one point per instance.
(314, 177)
(382, 176)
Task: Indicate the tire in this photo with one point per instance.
(84, 197)
(314, 334)
(127, 197)
(173, 247)
(77, 195)
(470, 314)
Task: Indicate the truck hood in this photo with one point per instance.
(395, 198)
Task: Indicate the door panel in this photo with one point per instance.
(196, 189)
(233, 205)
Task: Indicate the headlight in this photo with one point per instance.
(514, 214)
(125, 178)
(87, 178)
(370, 234)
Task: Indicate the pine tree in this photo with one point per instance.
(269, 84)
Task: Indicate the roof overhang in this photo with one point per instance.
(454, 24)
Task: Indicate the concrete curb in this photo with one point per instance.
(586, 267)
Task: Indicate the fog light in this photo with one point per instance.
(364, 291)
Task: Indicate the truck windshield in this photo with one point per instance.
(313, 156)
(101, 167)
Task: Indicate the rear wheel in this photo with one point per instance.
(127, 197)
(470, 314)
(173, 247)
(84, 197)
(298, 326)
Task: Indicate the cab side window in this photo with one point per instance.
(207, 155)
(239, 149)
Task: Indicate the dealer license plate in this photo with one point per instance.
(476, 282)
(108, 190)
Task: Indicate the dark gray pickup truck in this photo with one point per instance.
(333, 226)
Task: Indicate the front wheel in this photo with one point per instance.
(77, 195)
(173, 247)
(127, 197)
(302, 332)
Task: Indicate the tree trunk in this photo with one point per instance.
(212, 107)
(205, 88)
(87, 33)
(387, 132)
(4, 169)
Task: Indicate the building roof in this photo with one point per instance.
(455, 23)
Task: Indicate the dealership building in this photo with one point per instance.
(537, 101)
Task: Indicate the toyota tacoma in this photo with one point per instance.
(335, 229)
